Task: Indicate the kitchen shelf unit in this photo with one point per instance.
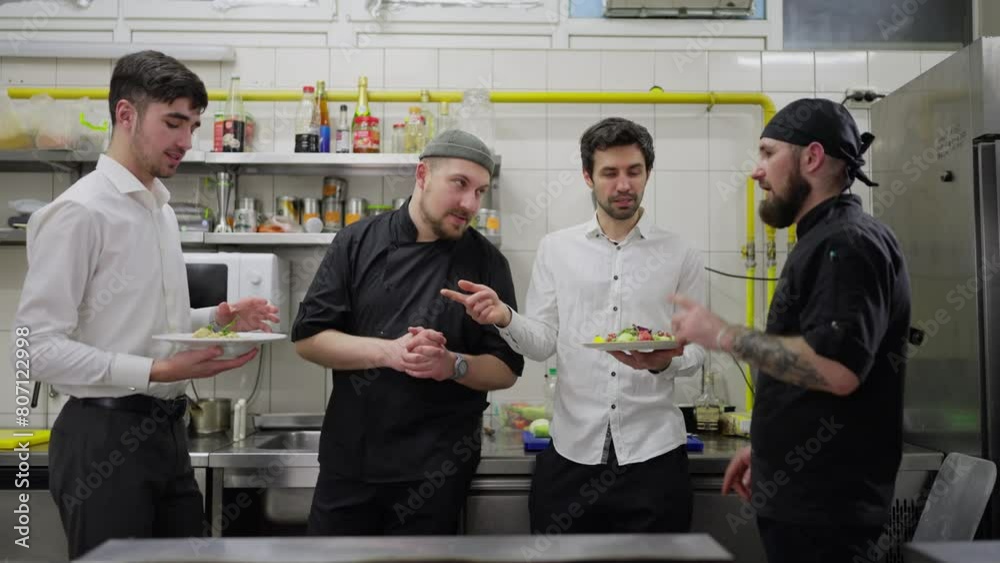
(195, 162)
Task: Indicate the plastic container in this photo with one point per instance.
(520, 414)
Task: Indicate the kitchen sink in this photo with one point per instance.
(298, 440)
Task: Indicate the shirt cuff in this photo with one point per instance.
(507, 332)
(202, 317)
(131, 372)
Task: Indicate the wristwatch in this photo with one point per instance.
(461, 368)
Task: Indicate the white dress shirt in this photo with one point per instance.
(583, 284)
(105, 274)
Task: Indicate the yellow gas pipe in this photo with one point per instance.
(656, 96)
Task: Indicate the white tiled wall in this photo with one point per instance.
(697, 189)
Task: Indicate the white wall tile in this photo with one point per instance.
(20, 71)
(25, 185)
(15, 267)
(681, 138)
(296, 385)
(256, 67)
(734, 132)
(411, 68)
(838, 71)
(727, 211)
(83, 72)
(730, 382)
(727, 296)
(266, 127)
(789, 72)
(888, 72)
(521, 133)
(627, 71)
(347, 64)
(566, 123)
(519, 70)
(682, 205)
(737, 71)
(521, 263)
(574, 70)
(239, 383)
(525, 196)
(397, 186)
(681, 71)
(643, 114)
(259, 187)
(208, 71)
(782, 99)
(929, 59)
(464, 69)
(296, 68)
(573, 204)
(529, 387)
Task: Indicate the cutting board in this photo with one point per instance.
(9, 442)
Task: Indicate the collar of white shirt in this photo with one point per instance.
(645, 226)
(126, 182)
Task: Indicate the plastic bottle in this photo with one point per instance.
(324, 117)
(550, 392)
(430, 122)
(306, 138)
(415, 137)
(708, 406)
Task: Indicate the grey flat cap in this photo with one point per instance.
(455, 143)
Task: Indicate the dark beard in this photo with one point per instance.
(437, 225)
(619, 214)
(780, 213)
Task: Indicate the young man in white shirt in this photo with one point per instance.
(618, 462)
(105, 274)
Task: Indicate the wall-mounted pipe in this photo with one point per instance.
(655, 96)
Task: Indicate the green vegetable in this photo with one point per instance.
(540, 428)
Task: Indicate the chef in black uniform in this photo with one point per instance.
(826, 434)
(402, 433)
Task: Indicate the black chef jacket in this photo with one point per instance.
(375, 281)
(819, 458)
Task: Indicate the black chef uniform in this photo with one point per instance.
(397, 453)
(824, 464)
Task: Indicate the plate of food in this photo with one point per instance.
(233, 343)
(634, 339)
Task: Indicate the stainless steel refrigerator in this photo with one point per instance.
(937, 158)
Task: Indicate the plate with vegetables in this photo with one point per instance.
(233, 343)
(634, 339)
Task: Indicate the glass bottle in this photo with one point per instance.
(415, 131)
(343, 132)
(708, 406)
(234, 126)
(306, 137)
(430, 122)
(362, 109)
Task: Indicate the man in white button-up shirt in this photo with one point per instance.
(105, 274)
(618, 461)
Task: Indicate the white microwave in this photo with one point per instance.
(214, 277)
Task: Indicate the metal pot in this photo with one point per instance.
(209, 416)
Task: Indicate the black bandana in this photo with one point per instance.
(828, 123)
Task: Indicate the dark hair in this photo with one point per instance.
(152, 76)
(615, 132)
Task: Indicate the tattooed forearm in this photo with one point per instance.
(772, 355)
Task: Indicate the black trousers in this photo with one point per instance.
(351, 507)
(653, 496)
(787, 542)
(122, 474)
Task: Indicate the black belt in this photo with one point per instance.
(143, 404)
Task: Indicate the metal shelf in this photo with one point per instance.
(13, 236)
(315, 163)
(270, 239)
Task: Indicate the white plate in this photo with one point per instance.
(637, 346)
(231, 347)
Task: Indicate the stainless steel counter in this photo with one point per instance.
(502, 453)
(493, 549)
(953, 552)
